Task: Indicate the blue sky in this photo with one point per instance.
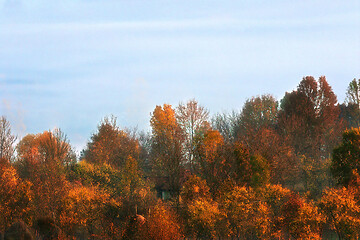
(69, 63)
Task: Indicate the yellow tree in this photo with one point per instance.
(167, 147)
(211, 163)
(202, 215)
(247, 215)
(342, 211)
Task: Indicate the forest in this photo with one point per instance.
(285, 169)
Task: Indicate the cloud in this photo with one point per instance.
(182, 24)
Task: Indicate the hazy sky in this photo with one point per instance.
(69, 63)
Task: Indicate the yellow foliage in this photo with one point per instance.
(342, 211)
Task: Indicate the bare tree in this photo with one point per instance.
(7, 140)
(193, 119)
(353, 93)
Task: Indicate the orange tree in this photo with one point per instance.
(15, 197)
(43, 160)
(202, 216)
(111, 145)
(341, 208)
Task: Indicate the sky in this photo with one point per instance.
(67, 64)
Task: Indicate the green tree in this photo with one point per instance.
(353, 92)
(244, 168)
(351, 107)
(346, 157)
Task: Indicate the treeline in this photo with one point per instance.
(274, 170)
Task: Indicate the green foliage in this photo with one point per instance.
(346, 157)
(127, 184)
(315, 176)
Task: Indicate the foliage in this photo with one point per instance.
(309, 118)
(301, 219)
(245, 168)
(167, 147)
(315, 176)
(43, 160)
(126, 185)
(15, 197)
(257, 113)
(342, 210)
(110, 145)
(230, 172)
(162, 223)
(85, 208)
(346, 157)
(194, 188)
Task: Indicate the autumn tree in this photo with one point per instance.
(211, 164)
(202, 216)
(342, 212)
(247, 215)
(15, 197)
(193, 120)
(7, 140)
(86, 210)
(111, 145)
(301, 219)
(257, 112)
(309, 118)
(275, 197)
(43, 160)
(167, 154)
(162, 223)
